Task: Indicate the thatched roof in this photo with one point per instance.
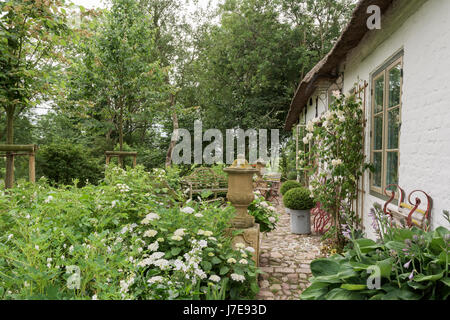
(327, 67)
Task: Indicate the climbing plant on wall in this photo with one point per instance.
(336, 140)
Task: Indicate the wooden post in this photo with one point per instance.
(10, 149)
(120, 155)
(32, 168)
(9, 180)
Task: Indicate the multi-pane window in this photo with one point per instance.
(386, 111)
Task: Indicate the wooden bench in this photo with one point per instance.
(408, 214)
(205, 179)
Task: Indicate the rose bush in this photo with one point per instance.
(336, 145)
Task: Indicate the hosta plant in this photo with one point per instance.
(405, 264)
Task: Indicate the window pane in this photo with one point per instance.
(392, 168)
(393, 128)
(379, 90)
(378, 132)
(377, 172)
(394, 86)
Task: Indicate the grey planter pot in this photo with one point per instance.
(300, 221)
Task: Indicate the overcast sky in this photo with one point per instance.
(90, 4)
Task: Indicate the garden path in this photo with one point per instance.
(285, 259)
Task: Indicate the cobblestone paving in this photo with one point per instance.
(285, 259)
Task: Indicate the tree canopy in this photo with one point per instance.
(127, 75)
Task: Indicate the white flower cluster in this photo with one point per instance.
(264, 204)
(307, 138)
(128, 228)
(150, 217)
(189, 264)
(125, 284)
(201, 232)
(151, 259)
(123, 187)
(155, 279)
(150, 233)
(336, 162)
(153, 246)
(214, 278)
(160, 173)
(336, 94)
(187, 210)
(237, 277)
(179, 232)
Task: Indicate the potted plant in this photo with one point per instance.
(288, 185)
(300, 202)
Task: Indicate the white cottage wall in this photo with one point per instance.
(425, 131)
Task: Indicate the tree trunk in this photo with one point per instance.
(121, 135)
(174, 137)
(9, 179)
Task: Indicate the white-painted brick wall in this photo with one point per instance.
(425, 116)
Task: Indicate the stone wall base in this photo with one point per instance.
(250, 237)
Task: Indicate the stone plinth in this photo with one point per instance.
(240, 194)
(249, 237)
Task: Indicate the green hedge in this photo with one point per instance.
(62, 162)
(298, 199)
(288, 185)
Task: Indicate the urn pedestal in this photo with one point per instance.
(240, 194)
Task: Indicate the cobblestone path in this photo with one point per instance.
(285, 259)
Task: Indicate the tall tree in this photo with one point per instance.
(31, 37)
(116, 76)
(250, 63)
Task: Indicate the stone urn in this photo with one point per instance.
(261, 167)
(240, 194)
(240, 191)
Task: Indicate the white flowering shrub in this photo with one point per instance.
(130, 237)
(336, 158)
(264, 212)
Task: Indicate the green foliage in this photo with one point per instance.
(264, 212)
(288, 185)
(116, 81)
(249, 64)
(411, 265)
(404, 264)
(292, 175)
(30, 34)
(132, 237)
(298, 199)
(336, 140)
(62, 162)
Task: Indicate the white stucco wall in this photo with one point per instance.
(319, 98)
(425, 116)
